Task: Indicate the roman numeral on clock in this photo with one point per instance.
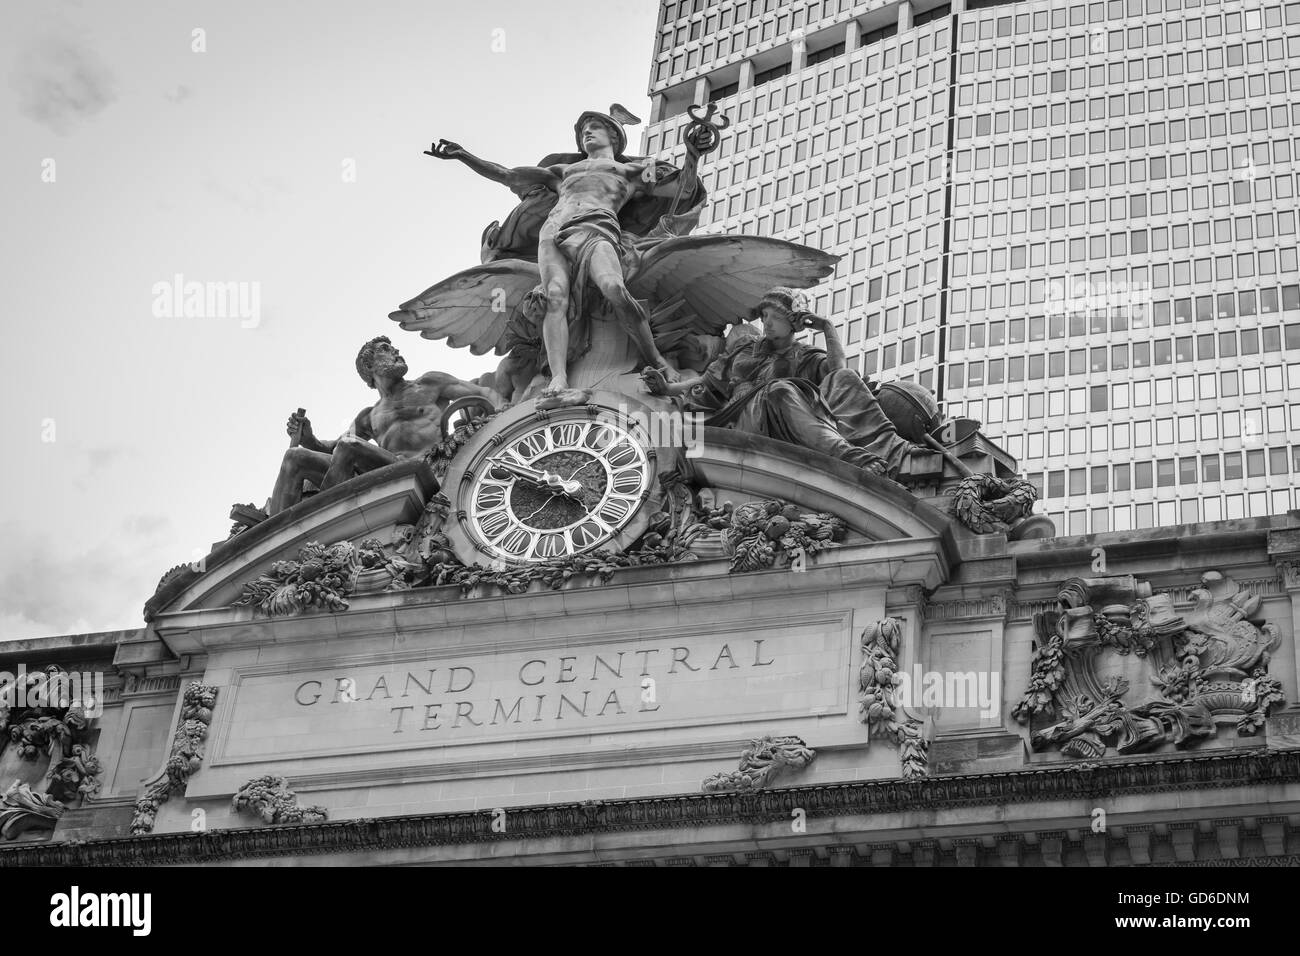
(567, 436)
(614, 510)
(517, 542)
(494, 523)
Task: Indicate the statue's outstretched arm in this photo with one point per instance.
(657, 384)
(454, 388)
(520, 176)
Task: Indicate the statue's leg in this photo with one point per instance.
(554, 269)
(298, 464)
(607, 274)
(860, 418)
(353, 456)
(514, 375)
(787, 414)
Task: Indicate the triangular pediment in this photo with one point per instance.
(369, 505)
(727, 466)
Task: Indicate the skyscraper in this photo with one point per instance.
(1075, 221)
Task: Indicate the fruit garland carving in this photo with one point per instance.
(319, 579)
(761, 763)
(270, 799)
(763, 534)
(878, 705)
(186, 756)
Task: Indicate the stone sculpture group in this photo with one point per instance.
(711, 324)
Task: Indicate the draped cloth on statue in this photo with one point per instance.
(642, 223)
(793, 395)
(647, 218)
(516, 238)
(577, 237)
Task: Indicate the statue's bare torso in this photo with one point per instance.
(591, 185)
(407, 422)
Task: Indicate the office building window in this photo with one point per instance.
(1232, 465)
(775, 73)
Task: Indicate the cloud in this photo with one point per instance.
(19, 627)
(53, 586)
(146, 526)
(99, 458)
(36, 581)
(61, 83)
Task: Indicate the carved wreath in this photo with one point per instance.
(986, 504)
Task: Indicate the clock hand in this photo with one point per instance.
(563, 486)
(518, 471)
(577, 492)
(542, 479)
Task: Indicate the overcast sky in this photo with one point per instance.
(127, 434)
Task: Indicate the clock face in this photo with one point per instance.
(555, 487)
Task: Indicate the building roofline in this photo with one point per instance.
(1061, 781)
(56, 647)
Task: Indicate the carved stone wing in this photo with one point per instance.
(718, 279)
(472, 308)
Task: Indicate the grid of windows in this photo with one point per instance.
(1077, 222)
(847, 154)
(699, 36)
(1122, 293)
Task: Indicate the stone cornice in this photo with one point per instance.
(688, 812)
(1263, 587)
(1025, 608)
(989, 606)
(70, 651)
(161, 684)
(893, 564)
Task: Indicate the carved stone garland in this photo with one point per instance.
(756, 536)
(318, 580)
(761, 763)
(765, 534)
(21, 808)
(879, 706)
(270, 799)
(61, 732)
(1209, 666)
(186, 756)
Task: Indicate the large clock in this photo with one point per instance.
(537, 486)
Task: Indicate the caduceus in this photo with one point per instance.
(701, 136)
